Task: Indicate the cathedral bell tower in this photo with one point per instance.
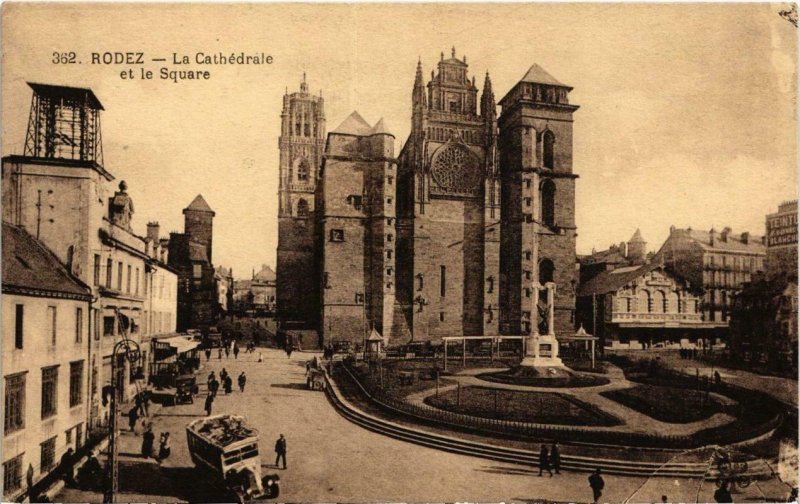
(301, 144)
(538, 213)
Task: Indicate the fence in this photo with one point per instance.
(736, 431)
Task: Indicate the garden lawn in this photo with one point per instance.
(519, 406)
(674, 405)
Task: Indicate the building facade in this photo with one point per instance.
(626, 298)
(414, 246)
(256, 295)
(46, 351)
(720, 262)
(59, 191)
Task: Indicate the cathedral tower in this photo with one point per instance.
(301, 144)
(538, 206)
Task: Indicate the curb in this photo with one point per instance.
(511, 455)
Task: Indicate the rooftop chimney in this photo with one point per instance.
(152, 231)
(712, 236)
(725, 232)
(745, 237)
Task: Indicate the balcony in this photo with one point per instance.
(656, 319)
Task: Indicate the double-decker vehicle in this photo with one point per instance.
(227, 448)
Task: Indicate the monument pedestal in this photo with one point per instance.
(542, 352)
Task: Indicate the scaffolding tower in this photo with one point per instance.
(64, 123)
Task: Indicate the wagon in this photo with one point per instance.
(226, 448)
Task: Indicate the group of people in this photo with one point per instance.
(148, 442)
(550, 460)
(140, 409)
(688, 353)
(227, 386)
(228, 349)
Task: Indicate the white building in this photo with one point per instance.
(46, 344)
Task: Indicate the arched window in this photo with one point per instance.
(546, 271)
(548, 197)
(302, 170)
(658, 302)
(548, 142)
(643, 301)
(302, 208)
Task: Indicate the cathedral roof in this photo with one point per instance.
(539, 75)
(353, 125)
(199, 204)
(379, 128)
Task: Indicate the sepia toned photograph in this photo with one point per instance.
(399, 252)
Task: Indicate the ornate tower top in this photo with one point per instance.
(450, 89)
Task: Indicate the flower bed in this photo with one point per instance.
(522, 375)
(519, 406)
(667, 404)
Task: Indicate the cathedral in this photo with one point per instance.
(468, 231)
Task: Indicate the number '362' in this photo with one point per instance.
(63, 58)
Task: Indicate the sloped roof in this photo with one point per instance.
(611, 281)
(28, 264)
(733, 243)
(637, 237)
(265, 274)
(379, 128)
(539, 75)
(199, 204)
(612, 255)
(353, 125)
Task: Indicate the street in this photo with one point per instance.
(329, 458)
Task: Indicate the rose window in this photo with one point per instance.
(456, 170)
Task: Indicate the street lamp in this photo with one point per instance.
(130, 350)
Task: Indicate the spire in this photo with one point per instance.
(488, 105)
(453, 52)
(418, 95)
(304, 85)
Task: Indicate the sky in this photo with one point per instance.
(687, 111)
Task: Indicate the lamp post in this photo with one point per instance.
(130, 350)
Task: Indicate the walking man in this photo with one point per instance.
(544, 461)
(208, 354)
(66, 468)
(235, 351)
(555, 457)
(242, 381)
(597, 484)
(209, 402)
(280, 449)
(148, 439)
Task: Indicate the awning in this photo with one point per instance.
(181, 344)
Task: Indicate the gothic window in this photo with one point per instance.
(307, 131)
(548, 142)
(456, 170)
(302, 170)
(442, 281)
(302, 208)
(548, 198)
(546, 271)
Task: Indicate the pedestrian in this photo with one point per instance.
(133, 417)
(209, 402)
(148, 439)
(227, 352)
(235, 351)
(146, 402)
(597, 484)
(163, 449)
(723, 495)
(260, 358)
(289, 351)
(29, 477)
(138, 400)
(213, 387)
(242, 381)
(219, 353)
(280, 450)
(544, 461)
(65, 466)
(555, 457)
(208, 354)
(211, 377)
(228, 384)
(223, 375)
